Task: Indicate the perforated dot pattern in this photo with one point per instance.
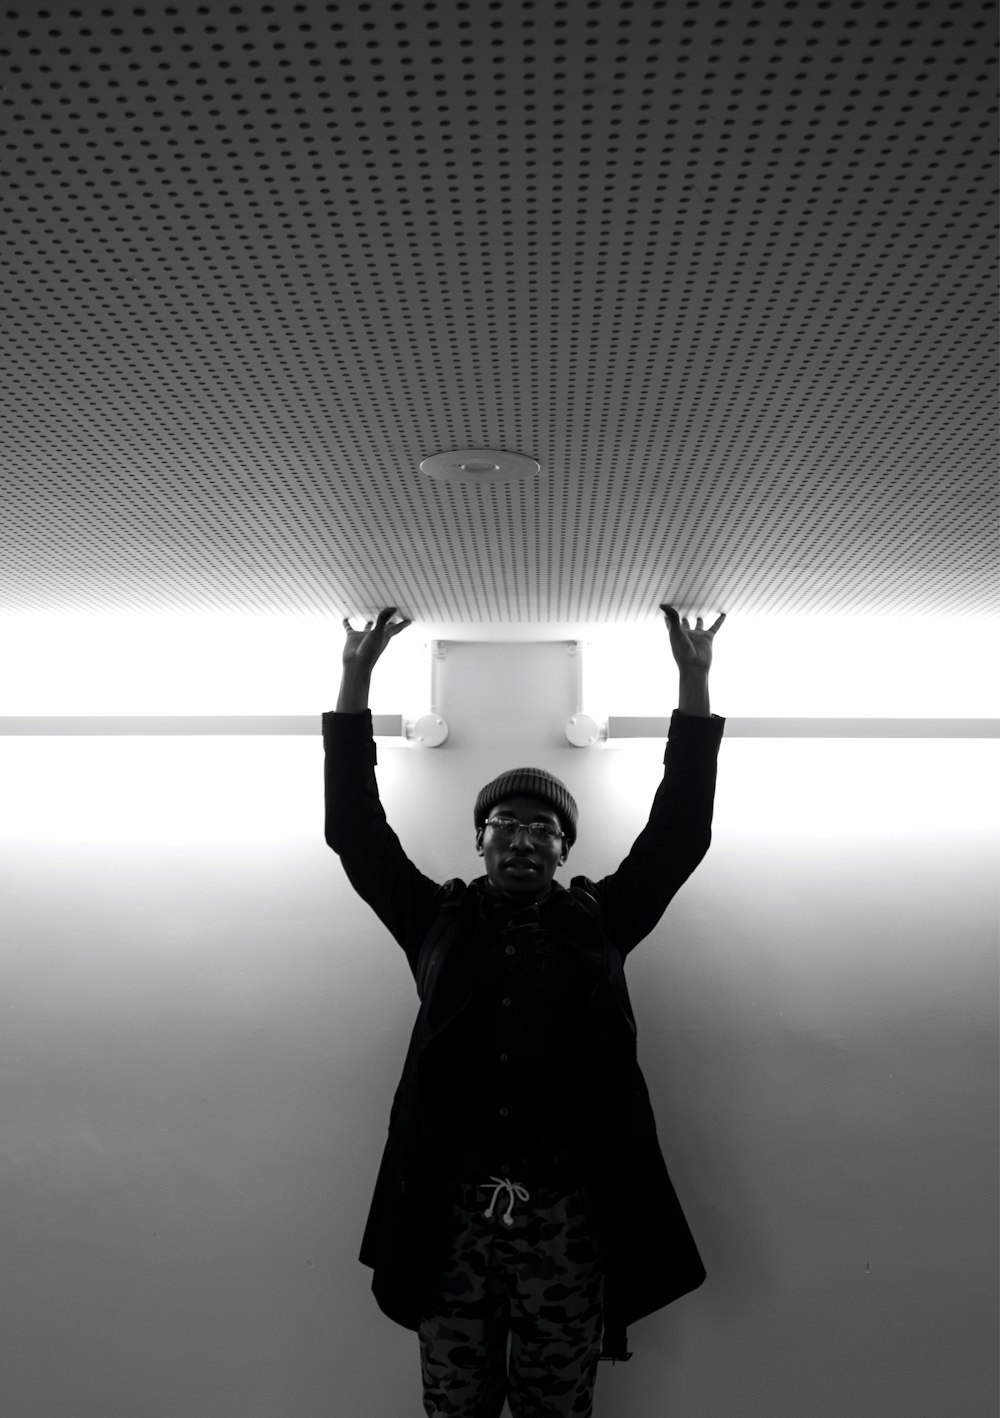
(725, 269)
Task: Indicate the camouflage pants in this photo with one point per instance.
(533, 1268)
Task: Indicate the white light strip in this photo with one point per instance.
(391, 726)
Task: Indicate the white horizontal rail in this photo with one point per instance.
(393, 726)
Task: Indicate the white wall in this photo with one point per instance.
(203, 1028)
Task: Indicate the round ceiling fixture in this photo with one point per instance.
(479, 465)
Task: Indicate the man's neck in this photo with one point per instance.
(519, 897)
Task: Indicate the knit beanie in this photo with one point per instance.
(531, 783)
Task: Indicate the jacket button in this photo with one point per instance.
(509, 950)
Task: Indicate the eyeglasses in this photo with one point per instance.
(508, 828)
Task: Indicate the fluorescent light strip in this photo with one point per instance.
(392, 726)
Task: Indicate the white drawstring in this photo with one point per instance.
(513, 1188)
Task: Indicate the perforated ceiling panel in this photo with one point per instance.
(724, 269)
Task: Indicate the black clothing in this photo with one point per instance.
(523, 1059)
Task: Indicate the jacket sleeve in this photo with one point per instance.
(676, 837)
(404, 900)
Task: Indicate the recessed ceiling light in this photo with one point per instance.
(479, 465)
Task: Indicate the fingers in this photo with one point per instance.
(384, 616)
(674, 619)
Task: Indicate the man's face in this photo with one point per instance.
(522, 866)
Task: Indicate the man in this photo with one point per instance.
(522, 1191)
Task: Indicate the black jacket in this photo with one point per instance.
(576, 1107)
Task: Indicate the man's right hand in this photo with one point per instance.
(363, 647)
